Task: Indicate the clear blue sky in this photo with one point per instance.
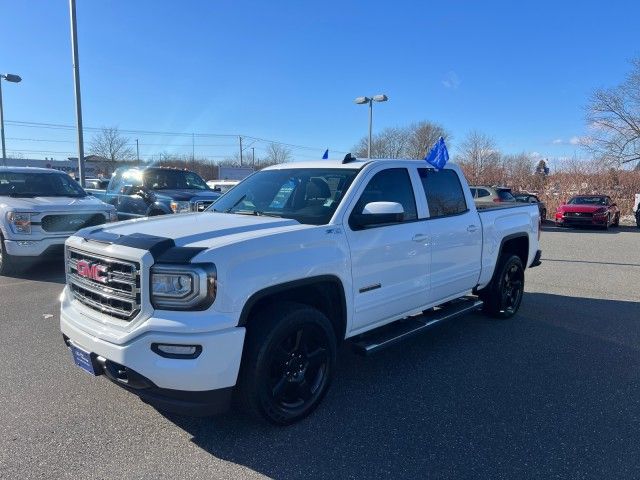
(289, 70)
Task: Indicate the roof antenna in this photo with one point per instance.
(349, 158)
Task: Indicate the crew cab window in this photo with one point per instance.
(391, 185)
(444, 192)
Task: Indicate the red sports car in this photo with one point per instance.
(589, 210)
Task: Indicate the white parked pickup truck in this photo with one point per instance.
(636, 209)
(252, 297)
(39, 209)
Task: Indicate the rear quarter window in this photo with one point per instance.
(444, 193)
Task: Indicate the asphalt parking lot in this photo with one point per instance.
(552, 393)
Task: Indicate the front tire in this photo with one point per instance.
(502, 297)
(288, 362)
(7, 262)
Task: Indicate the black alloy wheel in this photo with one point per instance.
(288, 362)
(512, 289)
(502, 297)
(299, 368)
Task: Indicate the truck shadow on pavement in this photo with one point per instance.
(551, 228)
(551, 392)
(50, 271)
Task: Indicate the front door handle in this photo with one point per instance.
(420, 237)
(472, 228)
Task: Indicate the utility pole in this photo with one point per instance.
(4, 152)
(240, 138)
(76, 84)
(253, 156)
(137, 151)
(193, 147)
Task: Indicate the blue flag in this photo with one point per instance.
(326, 154)
(438, 156)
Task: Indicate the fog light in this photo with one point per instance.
(25, 243)
(169, 350)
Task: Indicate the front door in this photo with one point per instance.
(390, 262)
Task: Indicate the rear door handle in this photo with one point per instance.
(472, 228)
(420, 237)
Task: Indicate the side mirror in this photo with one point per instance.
(377, 213)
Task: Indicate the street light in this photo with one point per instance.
(9, 77)
(370, 100)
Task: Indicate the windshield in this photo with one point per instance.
(33, 184)
(165, 179)
(588, 201)
(307, 195)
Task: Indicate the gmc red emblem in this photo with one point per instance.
(92, 271)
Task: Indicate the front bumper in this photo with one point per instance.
(201, 403)
(199, 386)
(584, 221)
(35, 248)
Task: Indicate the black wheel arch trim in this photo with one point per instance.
(283, 287)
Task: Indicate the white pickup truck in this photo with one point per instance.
(252, 297)
(636, 209)
(39, 209)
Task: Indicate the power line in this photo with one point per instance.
(59, 126)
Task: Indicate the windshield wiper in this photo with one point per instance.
(267, 214)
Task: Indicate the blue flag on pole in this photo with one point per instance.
(438, 156)
(326, 154)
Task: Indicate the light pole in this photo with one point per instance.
(76, 87)
(9, 77)
(370, 100)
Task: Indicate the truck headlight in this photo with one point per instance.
(180, 207)
(183, 287)
(20, 222)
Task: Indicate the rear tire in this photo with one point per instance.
(7, 262)
(288, 363)
(616, 221)
(502, 297)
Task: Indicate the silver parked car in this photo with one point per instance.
(494, 194)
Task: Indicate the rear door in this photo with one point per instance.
(390, 262)
(456, 235)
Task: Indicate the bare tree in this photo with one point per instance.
(614, 118)
(277, 153)
(480, 158)
(517, 170)
(422, 136)
(413, 141)
(110, 144)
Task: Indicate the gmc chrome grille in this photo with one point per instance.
(108, 285)
(201, 206)
(71, 222)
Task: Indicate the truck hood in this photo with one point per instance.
(190, 228)
(183, 195)
(53, 204)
